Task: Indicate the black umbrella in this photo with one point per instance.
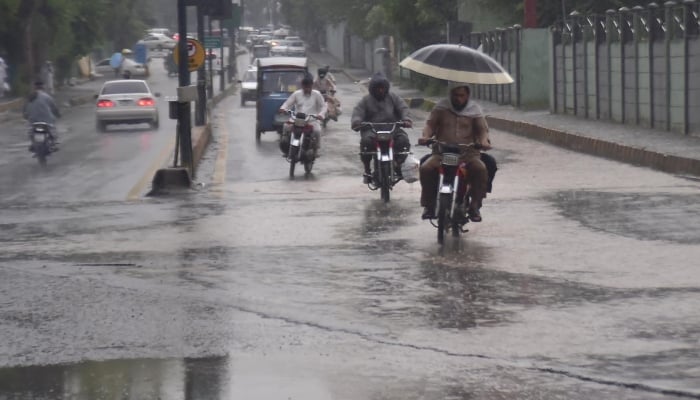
(458, 63)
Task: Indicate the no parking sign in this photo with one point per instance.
(195, 54)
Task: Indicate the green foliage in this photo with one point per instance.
(32, 31)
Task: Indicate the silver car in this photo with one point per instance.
(296, 48)
(128, 65)
(126, 102)
(158, 41)
(249, 86)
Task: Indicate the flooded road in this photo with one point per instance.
(581, 283)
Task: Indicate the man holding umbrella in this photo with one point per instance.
(456, 120)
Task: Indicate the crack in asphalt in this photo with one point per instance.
(548, 370)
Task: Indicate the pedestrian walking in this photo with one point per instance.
(47, 76)
(4, 86)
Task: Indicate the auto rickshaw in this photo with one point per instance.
(278, 78)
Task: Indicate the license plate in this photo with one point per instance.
(385, 157)
(446, 189)
(450, 159)
(124, 102)
(295, 142)
(38, 137)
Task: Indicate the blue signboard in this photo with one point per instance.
(140, 53)
(116, 60)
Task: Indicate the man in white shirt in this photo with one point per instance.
(307, 101)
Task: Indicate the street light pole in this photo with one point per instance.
(184, 120)
(201, 104)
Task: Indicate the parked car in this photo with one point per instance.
(158, 41)
(128, 101)
(134, 69)
(249, 86)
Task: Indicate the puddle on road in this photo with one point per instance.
(646, 216)
(172, 379)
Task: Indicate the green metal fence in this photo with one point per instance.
(635, 66)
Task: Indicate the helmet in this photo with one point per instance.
(322, 72)
(379, 81)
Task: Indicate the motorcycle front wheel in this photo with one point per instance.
(385, 174)
(308, 165)
(293, 154)
(444, 207)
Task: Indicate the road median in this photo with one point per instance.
(165, 178)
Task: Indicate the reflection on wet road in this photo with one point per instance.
(204, 378)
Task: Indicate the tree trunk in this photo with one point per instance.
(29, 11)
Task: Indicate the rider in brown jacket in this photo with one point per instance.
(456, 120)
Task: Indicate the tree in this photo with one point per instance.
(32, 31)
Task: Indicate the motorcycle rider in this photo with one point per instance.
(457, 120)
(381, 106)
(326, 86)
(310, 102)
(40, 107)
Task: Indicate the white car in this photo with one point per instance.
(128, 65)
(162, 31)
(249, 86)
(158, 41)
(281, 49)
(296, 48)
(128, 101)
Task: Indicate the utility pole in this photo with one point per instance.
(210, 62)
(201, 105)
(184, 120)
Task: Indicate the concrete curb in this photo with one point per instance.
(14, 105)
(602, 148)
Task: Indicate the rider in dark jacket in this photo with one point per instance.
(381, 105)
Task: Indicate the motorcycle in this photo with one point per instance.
(42, 142)
(333, 107)
(383, 176)
(453, 190)
(170, 65)
(301, 149)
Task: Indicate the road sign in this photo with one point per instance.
(212, 42)
(195, 54)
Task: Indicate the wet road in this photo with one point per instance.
(581, 283)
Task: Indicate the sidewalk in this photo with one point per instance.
(67, 96)
(665, 151)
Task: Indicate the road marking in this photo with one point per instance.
(222, 156)
(135, 192)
